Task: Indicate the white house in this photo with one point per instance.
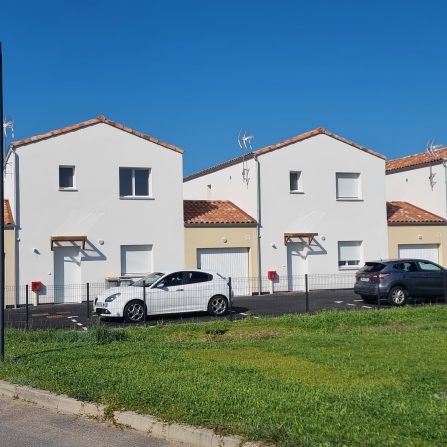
(93, 200)
(420, 179)
(319, 200)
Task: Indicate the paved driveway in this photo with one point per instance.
(74, 316)
(26, 425)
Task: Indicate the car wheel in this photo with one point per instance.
(134, 311)
(398, 296)
(218, 305)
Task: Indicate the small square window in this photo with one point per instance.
(349, 254)
(134, 182)
(66, 177)
(296, 181)
(348, 185)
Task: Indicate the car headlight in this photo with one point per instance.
(113, 297)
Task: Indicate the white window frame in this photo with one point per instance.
(133, 196)
(67, 188)
(299, 182)
(125, 250)
(355, 176)
(349, 263)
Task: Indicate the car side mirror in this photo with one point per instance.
(160, 285)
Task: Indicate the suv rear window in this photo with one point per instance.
(372, 267)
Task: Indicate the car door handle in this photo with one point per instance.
(179, 290)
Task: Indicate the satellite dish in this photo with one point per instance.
(244, 138)
(8, 125)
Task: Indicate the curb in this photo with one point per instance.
(194, 436)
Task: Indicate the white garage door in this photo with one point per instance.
(229, 262)
(419, 251)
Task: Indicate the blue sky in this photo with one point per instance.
(194, 72)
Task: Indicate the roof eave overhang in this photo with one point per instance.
(410, 168)
(220, 225)
(101, 119)
(416, 224)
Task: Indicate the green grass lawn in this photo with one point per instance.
(372, 378)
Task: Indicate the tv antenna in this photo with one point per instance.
(431, 148)
(244, 138)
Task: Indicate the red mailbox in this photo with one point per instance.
(271, 275)
(36, 286)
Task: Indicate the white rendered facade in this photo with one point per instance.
(93, 206)
(423, 186)
(313, 207)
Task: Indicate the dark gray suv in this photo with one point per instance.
(398, 279)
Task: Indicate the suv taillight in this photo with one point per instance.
(379, 276)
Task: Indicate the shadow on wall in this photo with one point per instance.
(92, 253)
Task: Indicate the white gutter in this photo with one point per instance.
(258, 218)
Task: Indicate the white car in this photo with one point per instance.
(175, 291)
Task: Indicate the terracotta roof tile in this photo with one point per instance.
(312, 133)
(100, 119)
(205, 212)
(404, 212)
(9, 220)
(415, 160)
(273, 147)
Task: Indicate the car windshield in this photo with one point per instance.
(148, 280)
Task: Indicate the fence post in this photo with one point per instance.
(230, 299)
(26, 306)
(144, 302)
(88, 302)
(445, 287)
(306, 284)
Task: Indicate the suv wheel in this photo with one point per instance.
(398, 296)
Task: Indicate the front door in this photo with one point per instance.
(67, 275)
(296, 265)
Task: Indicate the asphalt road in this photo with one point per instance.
(74, 316)
(26, 425)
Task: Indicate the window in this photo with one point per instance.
(348, 185)
(428, 267)
(407, 266)
(195, 277)
(296, 181)
(67, 177)
(136, 259)
(134, 182)
(172, 280)
(349, 254)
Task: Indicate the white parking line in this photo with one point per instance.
(79, 324)
(350, 304)
(338, 302)
(357, 300)
(74, 321)
(367, 307)
(84, 328)
(242, 313)
(73, 316)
